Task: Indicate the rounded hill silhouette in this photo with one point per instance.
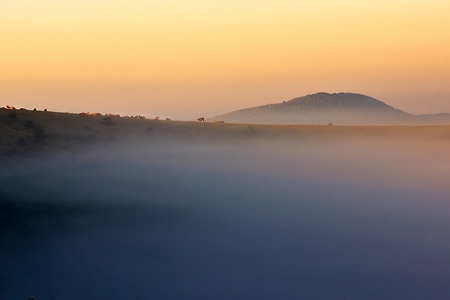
(338, 101)
(321, 108)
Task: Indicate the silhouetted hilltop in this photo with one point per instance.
(338, 101)
(322, 108)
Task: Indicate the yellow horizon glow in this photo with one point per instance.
(195, 42)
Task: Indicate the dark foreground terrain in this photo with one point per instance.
(95, 208)
(26, 132)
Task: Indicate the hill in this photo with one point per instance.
(26, 132)
(324, 108)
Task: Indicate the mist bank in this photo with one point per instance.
(207, 218)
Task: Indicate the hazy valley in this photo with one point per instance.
(101, 207)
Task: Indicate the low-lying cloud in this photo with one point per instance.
(262, 219)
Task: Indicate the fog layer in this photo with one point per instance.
(259, 219)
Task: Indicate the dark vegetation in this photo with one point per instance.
(30, 132)
(12, 115)
(108, 121)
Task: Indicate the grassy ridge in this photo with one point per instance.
(25, 131)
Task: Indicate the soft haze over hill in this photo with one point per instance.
(324, 108)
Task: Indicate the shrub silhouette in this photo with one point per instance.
(12, 115)
(39, 135)
(29, 125)
(108, 121)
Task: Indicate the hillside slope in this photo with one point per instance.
(25, 132)
(324, 108)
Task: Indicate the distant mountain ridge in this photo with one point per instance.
(325, 108)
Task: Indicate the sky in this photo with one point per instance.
(191, 58)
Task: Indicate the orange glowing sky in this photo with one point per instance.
(190, 58)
